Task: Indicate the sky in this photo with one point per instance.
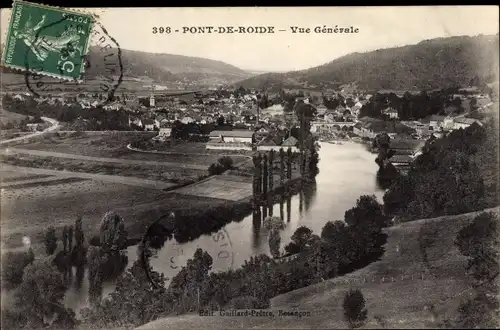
(379, 27)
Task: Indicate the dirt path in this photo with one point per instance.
(41, 153)
(98, 177)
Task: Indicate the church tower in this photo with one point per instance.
(152, 97)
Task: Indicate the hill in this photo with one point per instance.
(420, 268)
(430, 64)
(163, 68)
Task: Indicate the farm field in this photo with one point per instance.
(28, 209)
(400, 288)
(165, 173)
(227, 187)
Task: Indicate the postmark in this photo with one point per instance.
(171, 256)
(48, 41)
(103, 75)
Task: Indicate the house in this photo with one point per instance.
(112, 106)
(436, 122)
(187, 120)
(402, 162)
(33, 127)
(357, 129)
(391, 113)
(165, 130)
(321, 109)
(371, 127)
(150, 124)
(406, 147)
(135, 121)
(448, 122)
(269, 143)
(291, 142)
(462, 122)
(241, 136)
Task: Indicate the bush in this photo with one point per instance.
(41, 292)
(355, 312)
(13, 265)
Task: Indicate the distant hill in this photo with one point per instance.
(430, 64)
(165, 68)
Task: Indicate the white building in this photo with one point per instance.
(463, 122)
(241, 136)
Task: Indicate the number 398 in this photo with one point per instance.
(161, 29)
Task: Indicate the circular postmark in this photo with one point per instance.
(170, 256)
(100, 62)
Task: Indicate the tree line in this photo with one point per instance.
(415, 106)
(445, 179)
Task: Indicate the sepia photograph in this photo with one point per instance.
(249, 167)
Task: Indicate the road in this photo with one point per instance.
(53, 122)
(98, 177)
(40, 153)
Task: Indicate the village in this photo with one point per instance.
(248, 120)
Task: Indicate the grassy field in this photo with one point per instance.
(27, 210)
(411, 277)
(114, 144)
(150, 172)
(10, 117)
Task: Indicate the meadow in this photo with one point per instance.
(28, 209)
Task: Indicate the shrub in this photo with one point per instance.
(355, 312)
(13, 265)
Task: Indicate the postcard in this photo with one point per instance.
(249, 167)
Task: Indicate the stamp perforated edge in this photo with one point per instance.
(22, 70)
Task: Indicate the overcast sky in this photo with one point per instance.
(379, 27)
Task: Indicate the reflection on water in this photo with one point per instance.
(346, 172)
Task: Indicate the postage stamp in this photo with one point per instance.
(47, 40)
(103, 70)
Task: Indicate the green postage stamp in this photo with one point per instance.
(46, 40)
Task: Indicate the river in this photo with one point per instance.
(347, 171)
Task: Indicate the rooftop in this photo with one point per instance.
(235, 133)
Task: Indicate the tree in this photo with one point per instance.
(113, 236)
(355, 312)
(13, 267)
(79, 235)
(186, 285)
(135, 300)
(220, 120)
(50, 240)
(226, 162)
(41, 293)
(367, 214)
(301, 240)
